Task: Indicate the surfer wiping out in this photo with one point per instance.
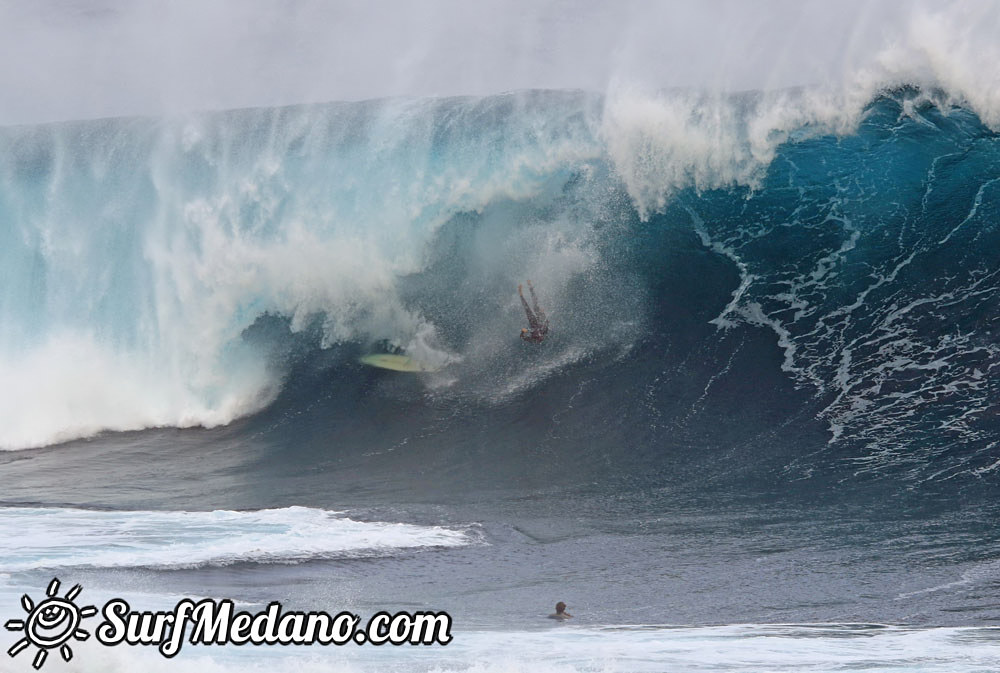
(538, 324)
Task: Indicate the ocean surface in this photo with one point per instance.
(761, 436)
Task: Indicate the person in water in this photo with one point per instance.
(538, 324)
(560, 612)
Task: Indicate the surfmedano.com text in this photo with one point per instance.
(217, 623)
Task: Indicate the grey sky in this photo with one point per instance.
(65, 59)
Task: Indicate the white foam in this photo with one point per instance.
(749, 648)
(73, 386)
(37, 538)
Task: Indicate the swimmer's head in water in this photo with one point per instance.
(560, 607)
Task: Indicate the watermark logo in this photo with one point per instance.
(55, 621)
(51, 624)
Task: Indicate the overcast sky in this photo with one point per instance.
(65, 59)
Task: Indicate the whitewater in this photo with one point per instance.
(760, 436)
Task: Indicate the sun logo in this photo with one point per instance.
(51, 624)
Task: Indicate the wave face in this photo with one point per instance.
(759, 258)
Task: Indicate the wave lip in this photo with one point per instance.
(61, 538)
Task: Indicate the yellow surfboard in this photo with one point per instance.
(398, 363)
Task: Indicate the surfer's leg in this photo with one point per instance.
(539, 313)
(527, 309)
